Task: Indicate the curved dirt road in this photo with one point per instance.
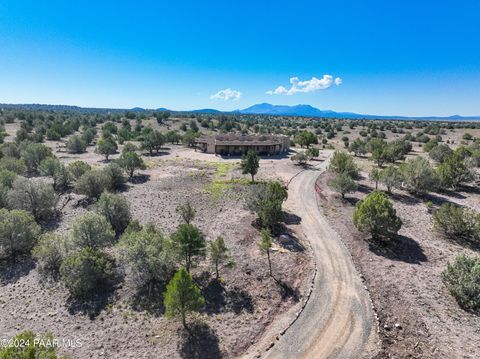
(338, 320)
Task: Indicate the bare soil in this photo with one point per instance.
(124, 324)
(418, 318)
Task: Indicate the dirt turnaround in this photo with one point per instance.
(338, 320)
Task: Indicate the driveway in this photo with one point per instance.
(338, 320)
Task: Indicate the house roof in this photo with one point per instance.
(239, 140)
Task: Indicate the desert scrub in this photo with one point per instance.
(457, 223)
(462, 279)
(87, 272)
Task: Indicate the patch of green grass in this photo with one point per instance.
(220, 184)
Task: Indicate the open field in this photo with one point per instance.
(237, 311)
(417, 315)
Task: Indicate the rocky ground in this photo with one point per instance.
(124, 324)
(418, 318)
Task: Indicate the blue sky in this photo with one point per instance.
(393, 57)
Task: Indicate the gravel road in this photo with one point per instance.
(338, 320)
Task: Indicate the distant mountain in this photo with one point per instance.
(258, 109)
(302, 110)
(206, 110)
(310, 111)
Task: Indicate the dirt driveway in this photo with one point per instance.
(338, 320)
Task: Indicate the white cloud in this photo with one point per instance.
(227, 94)
(306, 86)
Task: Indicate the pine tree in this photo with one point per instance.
(182, 296)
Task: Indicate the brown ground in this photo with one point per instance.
(237, 311)
(418, 317)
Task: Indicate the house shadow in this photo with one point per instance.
(199, 342)
(12, 271)
(400, 248)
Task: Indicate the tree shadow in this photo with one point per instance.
(239, 300)
(91, 306)
(351, 200)
(287, 291)
(140, 178)
(291, 218)
(364, 189)
(214, 294)
(157, 154)
(149, 299)
(405, 199)
(438, 200)
(199, 342)
(399, 248)
(290, 242)
(471, 189)
(11, 271)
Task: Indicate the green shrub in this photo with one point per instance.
(418, 176)
(12, 164)
(92, 230)
(462, 279)
(115, 176)
(36, 197)
(265, 199)
(11, 149)
(440, 152)
(116, 210)
(130, 162)
(147, 256)
(49, 253)
(33, 154)
(62, 178)
(189, 242)
(376, 216)
(7, 178)
(457, 222)
(87, 272)
(18, 233)
(343, 162)
(106, 147)
(343, 184)
(93, 183)
(76, 144)
(454, 171)
(78, 168)
(390, 177)
(48, 166)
